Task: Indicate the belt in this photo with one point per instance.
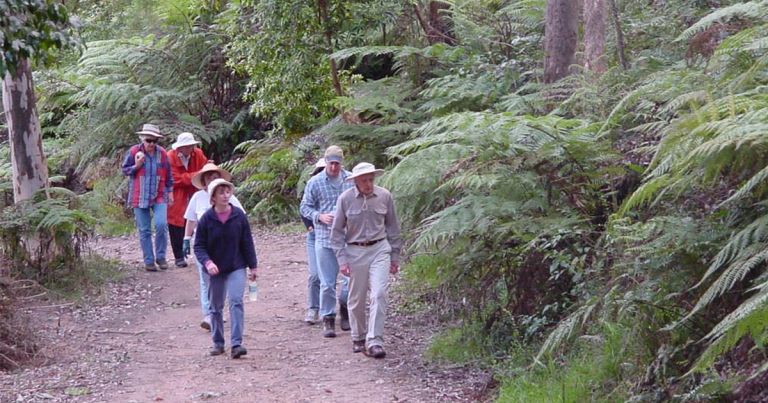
(366, 243)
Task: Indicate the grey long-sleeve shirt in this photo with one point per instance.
(361, 218)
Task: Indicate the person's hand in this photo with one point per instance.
(185, 248)
(170, 198)
(394, 267)
(252, 275)
(344, 269)
(139, 159)
(212, 268)
(326, 219)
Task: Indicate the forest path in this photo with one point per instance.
(144, 343)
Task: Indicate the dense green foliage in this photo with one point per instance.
(603, 237)
(33, 29)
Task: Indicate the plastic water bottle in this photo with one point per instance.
(253, 290)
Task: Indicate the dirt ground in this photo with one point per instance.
(141, 341)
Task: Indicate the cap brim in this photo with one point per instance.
(333, 158)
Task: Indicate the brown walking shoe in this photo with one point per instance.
(162, 264)
(375, 352)
(329, 325)
(358, 346)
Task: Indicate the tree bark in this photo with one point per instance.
(560, 37)
(442, 27)
(30, 172)
(619, 34)
(322, 8)
(437, 26)
(594, 36)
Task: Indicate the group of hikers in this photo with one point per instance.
(352, 230)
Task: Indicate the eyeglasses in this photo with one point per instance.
(150, 141)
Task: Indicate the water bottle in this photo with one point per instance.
(253, 290)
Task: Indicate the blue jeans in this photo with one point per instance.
(313, 282)
(205, 285)
(143, 222)
(232, 286)
(328, 271)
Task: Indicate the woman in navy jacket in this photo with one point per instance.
(224, 245)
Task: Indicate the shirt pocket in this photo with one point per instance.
(354, 212)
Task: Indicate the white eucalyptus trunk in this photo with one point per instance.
(30, 172)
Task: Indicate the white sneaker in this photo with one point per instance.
(312, 317)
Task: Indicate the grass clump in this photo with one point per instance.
(595, 372)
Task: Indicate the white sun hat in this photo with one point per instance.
(364, 168)
(185, 139)
(216, 183)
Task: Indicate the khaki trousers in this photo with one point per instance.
(369, 269)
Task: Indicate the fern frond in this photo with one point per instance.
(565, 329)
(748, 187)
(750, 258)
(755, 232)
(750, 10)
(750, 318)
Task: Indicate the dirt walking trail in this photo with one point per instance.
(143, 343)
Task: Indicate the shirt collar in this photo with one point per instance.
(343, 175)
(359, 194)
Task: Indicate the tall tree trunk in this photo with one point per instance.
(437, 25)
(322, 8)
(560, 37)
(30, 172)
(442, 26)
(619, 34)
(594, 36)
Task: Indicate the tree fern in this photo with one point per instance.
(748, 10)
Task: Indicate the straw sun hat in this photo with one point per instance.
(197, 179)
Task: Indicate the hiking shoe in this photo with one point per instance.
(181, 263)
(216, 350)
(238, 351)
(150, 267)
(375, 352)
(206, 322)
(329, 324)
(358, 346)
(312, 316)
(344, 313)
(162, 264)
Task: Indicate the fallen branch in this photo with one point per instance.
(34, 296)
(50, 306)
(121, 332)
(15, 364)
